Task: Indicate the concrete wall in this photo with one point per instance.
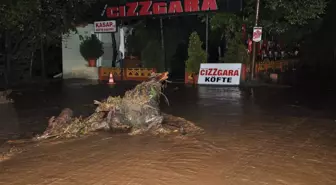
(74, 65)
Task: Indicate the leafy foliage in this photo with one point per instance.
(297, 12)
(277, 17)
(227, 22)
(47, 19)
(230, 24)
(152, 56)
(146, 41)
(91, 47)
(320, 50)
(26, 26)
(196, 54)
(236, 53)
(289, 20)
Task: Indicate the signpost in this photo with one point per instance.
(254, 43)
(257, 33)
(220, 74)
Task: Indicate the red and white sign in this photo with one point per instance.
(220, 74)
(257, 33)
(274, 77)
(105, 26)
(151, 7)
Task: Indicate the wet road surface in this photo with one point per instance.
(268, 136)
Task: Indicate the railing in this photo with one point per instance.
(281, 65)
(104, 72)
(136, 74)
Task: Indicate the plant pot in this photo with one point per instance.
(187, 78)
(190, 78)
(92, 62)
(195, 79)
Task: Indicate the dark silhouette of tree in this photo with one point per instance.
(30, 25)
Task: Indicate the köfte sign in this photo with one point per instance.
(219, 74)
(147, 8)
(105, 26)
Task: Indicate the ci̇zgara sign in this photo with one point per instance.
(219, 74)
(151, 8)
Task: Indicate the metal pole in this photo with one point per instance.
(207, 37)
(122, 66)
(43, 70)
(163, 44)
(254, 43)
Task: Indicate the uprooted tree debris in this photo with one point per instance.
(135, 113)
(4, 96)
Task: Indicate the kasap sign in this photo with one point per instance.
(105, 26)
(219, 74)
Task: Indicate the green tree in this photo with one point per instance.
(278, 17)
(152, 56)
(31, 25)
(196, 54)
(146, 41)
(236, 53)
(291, 20)
(319, 51)
(228, 26)
(294, 12)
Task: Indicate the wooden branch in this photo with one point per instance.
(25, 35)
(25, 46)
(17, 45)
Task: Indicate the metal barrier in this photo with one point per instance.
(281, 65)
(104, 73)
(136, 74)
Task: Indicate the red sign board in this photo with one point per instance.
(148, 8)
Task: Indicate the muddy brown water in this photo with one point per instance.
(260, 136)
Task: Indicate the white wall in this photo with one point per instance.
(74, 65)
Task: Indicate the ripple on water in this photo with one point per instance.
(176, 162)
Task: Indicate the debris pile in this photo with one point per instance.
(136, 113)
(4, 96)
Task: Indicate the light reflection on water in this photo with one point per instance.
(218, 103)
(220, 93)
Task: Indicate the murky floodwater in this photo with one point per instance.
(258, 136)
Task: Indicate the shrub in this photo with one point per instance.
(91, 47)
(196, 54)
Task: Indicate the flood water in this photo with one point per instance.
(253, 136)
